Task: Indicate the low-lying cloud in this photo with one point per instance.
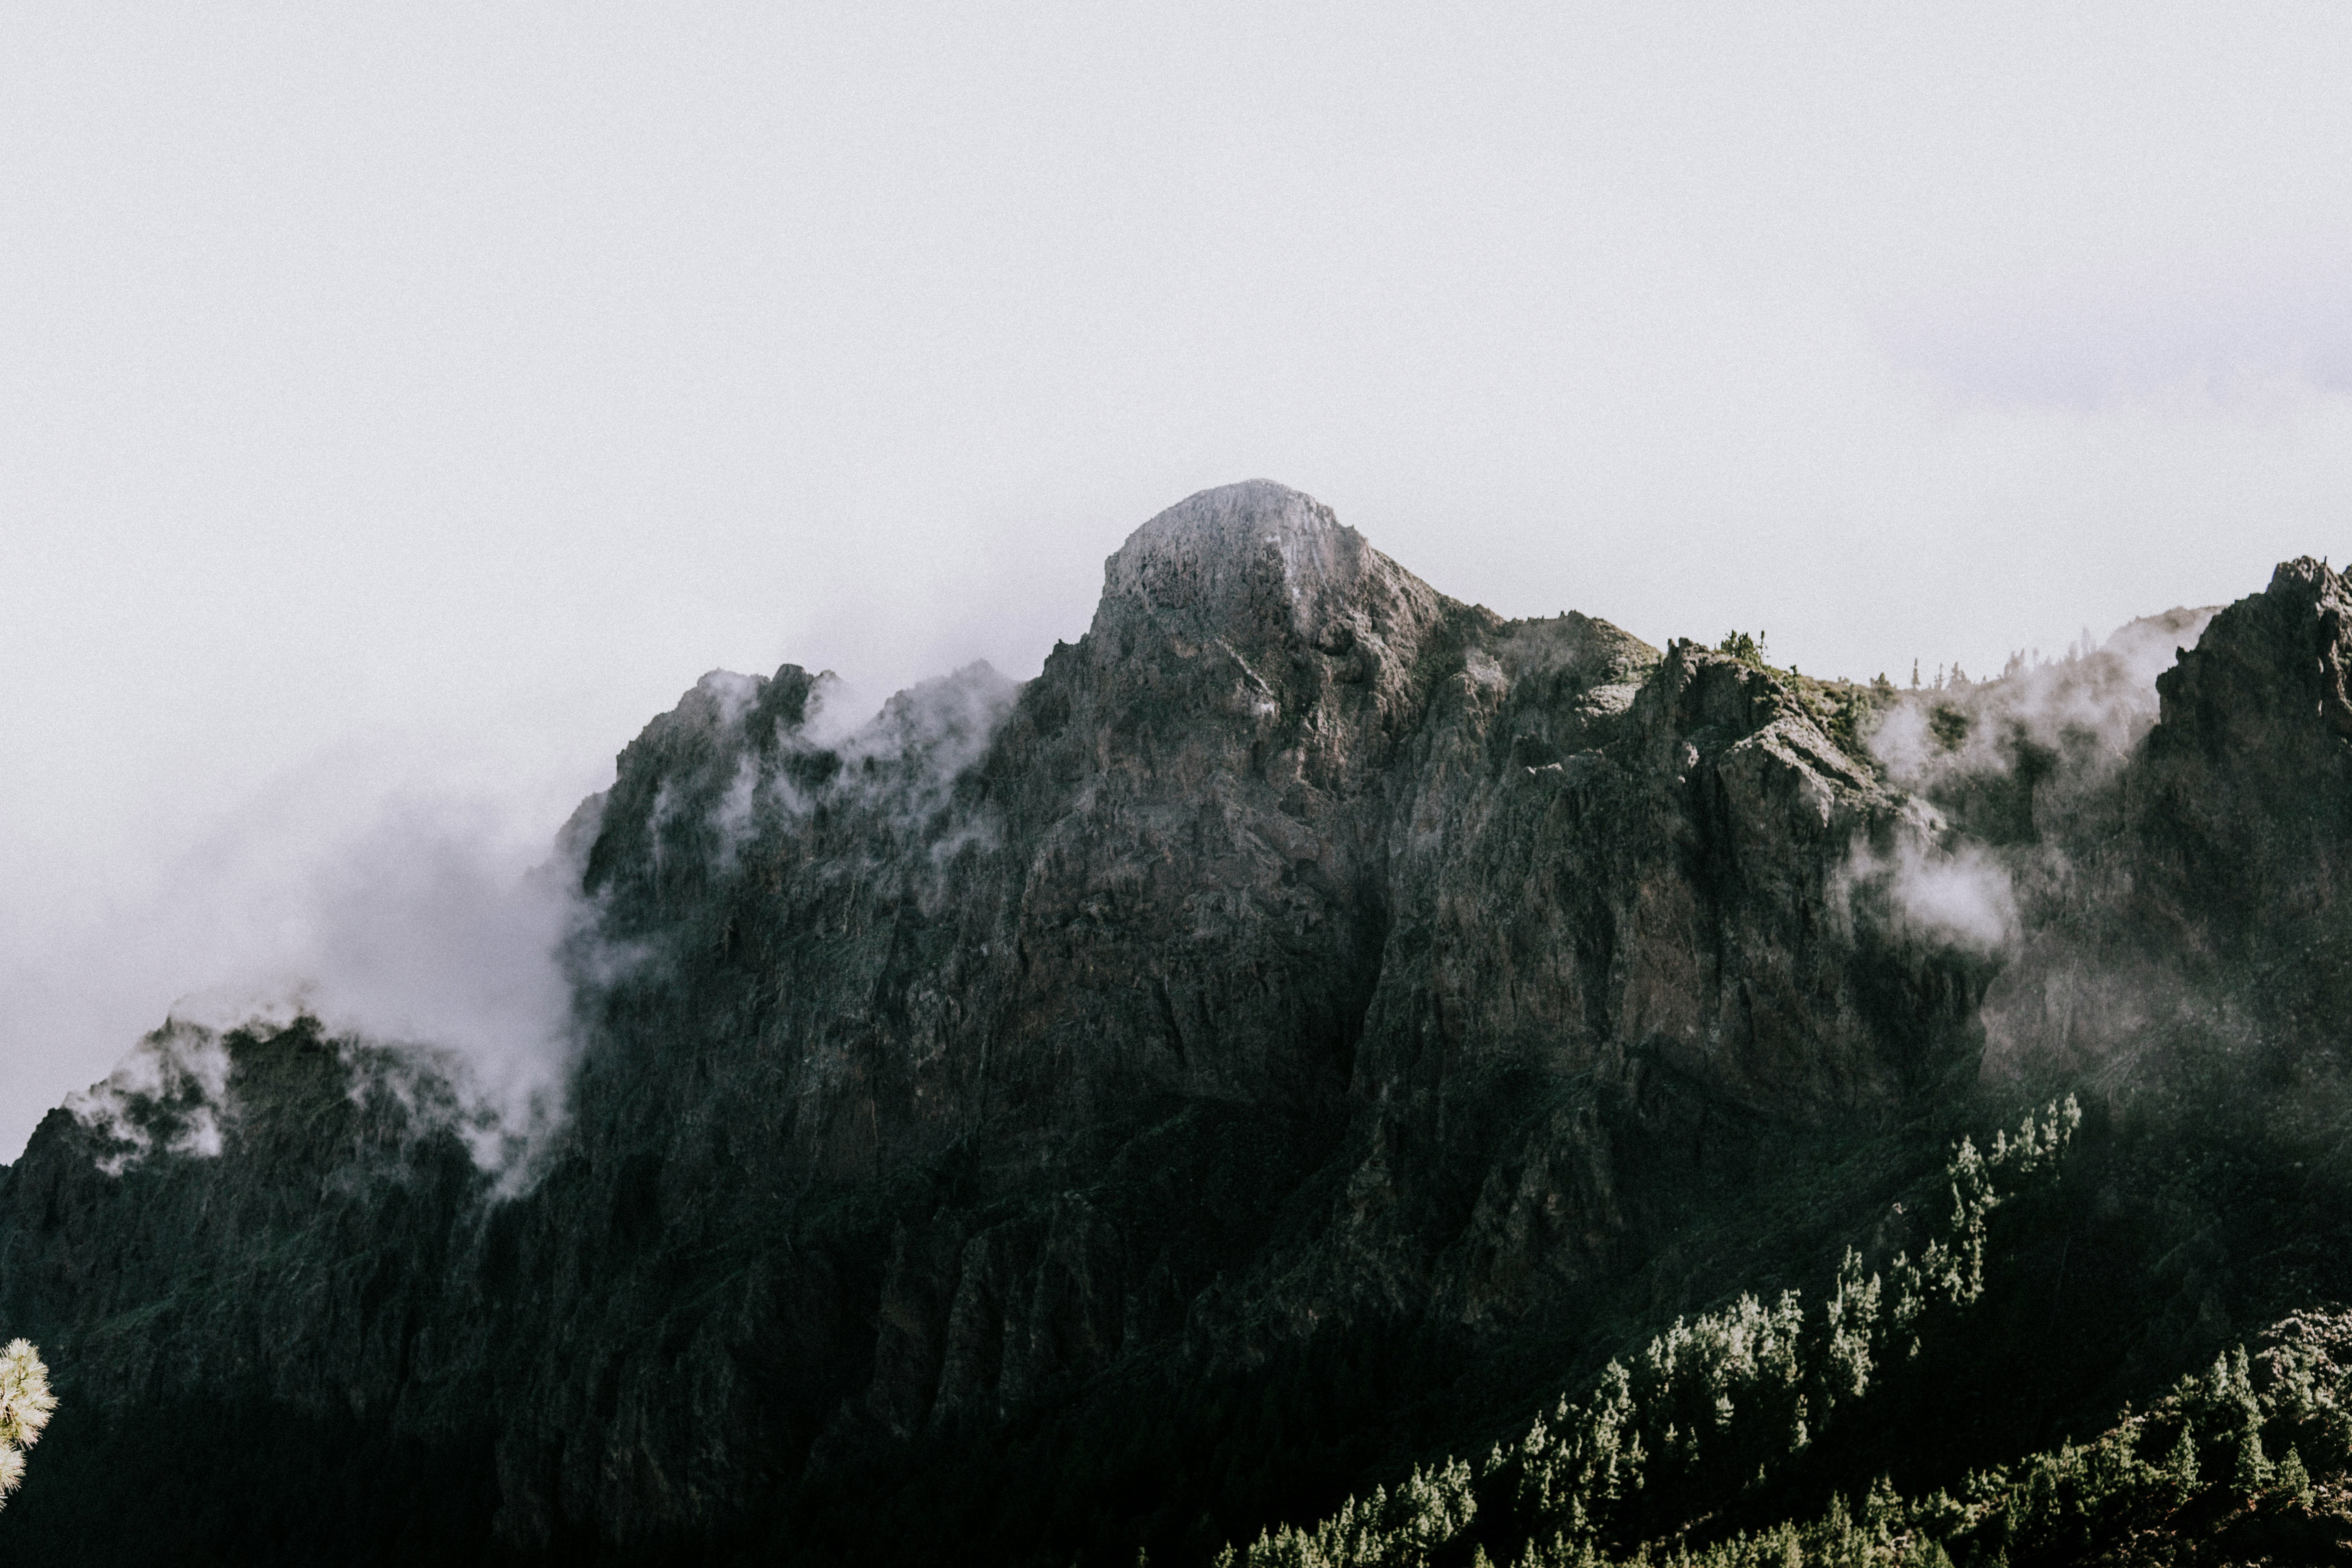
(2084, 713)
(2012, 781)
(171, 1090)
(431, 925)
(2053, 730)
(896, 766)
(1961, 897)
(445, 942)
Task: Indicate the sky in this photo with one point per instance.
(399, 404)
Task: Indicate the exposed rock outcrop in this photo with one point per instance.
(1301, 950)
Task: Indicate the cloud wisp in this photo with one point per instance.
(1960, 897)
(451, 957)
(2006, 852)
(1992, 765)
(425, 932)
(2077, 718)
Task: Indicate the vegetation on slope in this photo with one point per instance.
(1765, 1434)
(1710, 1412)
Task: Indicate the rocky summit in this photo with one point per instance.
(1312, 1030)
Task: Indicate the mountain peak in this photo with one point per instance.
(1253, 557)
(1232, 513)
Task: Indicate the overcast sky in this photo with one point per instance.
(399, 404)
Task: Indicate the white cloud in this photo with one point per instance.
(1961, 897)
(396, 915)
(449, 385)
(172, 1088)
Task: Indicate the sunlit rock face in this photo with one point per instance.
(1301, 953)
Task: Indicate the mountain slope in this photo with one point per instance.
(1309, 1025)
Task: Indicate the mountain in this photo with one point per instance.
(1304, 1032)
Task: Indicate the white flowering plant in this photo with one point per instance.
(26, 1406)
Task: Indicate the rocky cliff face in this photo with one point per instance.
(1302, 955)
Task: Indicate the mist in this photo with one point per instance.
(436, 925)
(1960, 897)
(397, 410)
(1995, 769)
(2084, 710)
(2016, 793)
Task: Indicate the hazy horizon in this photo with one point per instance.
(401, 408)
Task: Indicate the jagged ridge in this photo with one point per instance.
(1303, 960)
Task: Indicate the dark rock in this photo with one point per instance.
(1302, 953)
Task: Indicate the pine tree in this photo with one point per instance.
(2180, 1465)
(2252, 1476)
(1881, 1511)
(2291, 1479)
